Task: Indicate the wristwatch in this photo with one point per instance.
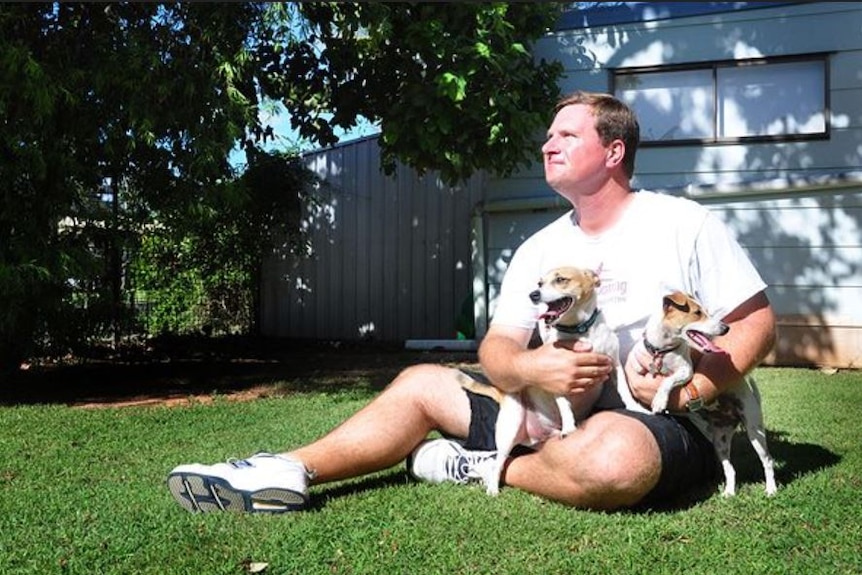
(695, 400)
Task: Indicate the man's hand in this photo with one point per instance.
(567, 367)
(642, 383)
(561, 368)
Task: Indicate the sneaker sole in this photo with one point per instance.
(202, 493)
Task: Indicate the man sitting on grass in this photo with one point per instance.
(641, 241)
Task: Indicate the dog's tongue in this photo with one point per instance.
(704, 342)
(555, 309)
(550, 315)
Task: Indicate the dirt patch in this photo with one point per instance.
(250, 394)
(183, 372)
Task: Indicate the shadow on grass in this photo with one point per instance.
(205, 367)
(792, 462)
(322, 495)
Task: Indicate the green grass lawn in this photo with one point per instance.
(83, 491)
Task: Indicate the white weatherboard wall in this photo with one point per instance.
(795, 206)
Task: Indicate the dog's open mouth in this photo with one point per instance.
(557, 308)
(703, 341)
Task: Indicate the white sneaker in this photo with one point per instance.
(264, 483)
(441, 460)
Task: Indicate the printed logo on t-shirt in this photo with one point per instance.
(612, 291)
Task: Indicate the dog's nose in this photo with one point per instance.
(723, 328)
(535, 296)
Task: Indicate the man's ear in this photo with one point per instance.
(616, 153)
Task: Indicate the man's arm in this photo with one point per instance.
(500, 354)
(560, 368)
(750, 339)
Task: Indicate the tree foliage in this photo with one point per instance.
(453, 85)
(92, 95)
(200, 270)
(120, 116)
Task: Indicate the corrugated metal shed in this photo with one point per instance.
(390, 255)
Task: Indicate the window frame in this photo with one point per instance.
(714, 67)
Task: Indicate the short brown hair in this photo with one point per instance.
(614, 121)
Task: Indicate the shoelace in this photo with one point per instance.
(467, 466)
(458, 468)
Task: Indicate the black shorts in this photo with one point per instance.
(688, 460)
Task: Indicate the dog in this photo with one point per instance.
(681, 325)
(532, 415)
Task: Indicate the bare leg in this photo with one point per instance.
(421, 399)
(610, 461)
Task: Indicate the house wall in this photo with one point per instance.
(390, 255)
(796, 207)
(394, 258)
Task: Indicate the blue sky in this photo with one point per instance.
(286, 138)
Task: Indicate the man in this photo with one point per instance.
(641, 242)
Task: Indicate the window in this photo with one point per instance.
(728, 102)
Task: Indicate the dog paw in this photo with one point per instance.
(659, 403)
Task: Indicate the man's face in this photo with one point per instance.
(573, 154)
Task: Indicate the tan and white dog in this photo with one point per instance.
(681, 325)
(533, 415)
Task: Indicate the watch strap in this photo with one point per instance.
(694, 398)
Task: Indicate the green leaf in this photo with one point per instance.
(452, 86)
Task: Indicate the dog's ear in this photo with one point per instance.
(594, 277)
(598, 272)
(675, 300)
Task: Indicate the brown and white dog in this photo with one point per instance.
(533, 415)
(671, 333)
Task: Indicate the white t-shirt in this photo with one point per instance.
(660, 243)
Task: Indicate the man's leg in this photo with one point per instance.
(421, 399)
(610, 461)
